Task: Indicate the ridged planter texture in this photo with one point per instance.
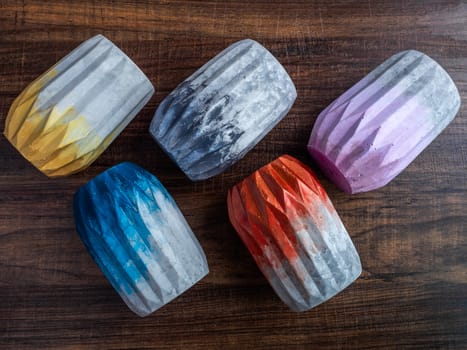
(374, 130)
(69, 115)
(289, 225)
(224, 109)
(138, 237)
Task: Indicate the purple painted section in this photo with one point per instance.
(375, 129)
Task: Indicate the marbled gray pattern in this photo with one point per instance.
(224, 109)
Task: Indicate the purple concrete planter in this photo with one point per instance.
(375, 129)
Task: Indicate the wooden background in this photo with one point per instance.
(411, 235)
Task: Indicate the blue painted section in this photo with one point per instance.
(108, 219)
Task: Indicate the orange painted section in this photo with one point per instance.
(268, 207)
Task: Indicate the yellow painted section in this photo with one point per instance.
(57, 143)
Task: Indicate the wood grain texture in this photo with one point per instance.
(411, 234)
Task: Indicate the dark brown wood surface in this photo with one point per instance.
(411, 235)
